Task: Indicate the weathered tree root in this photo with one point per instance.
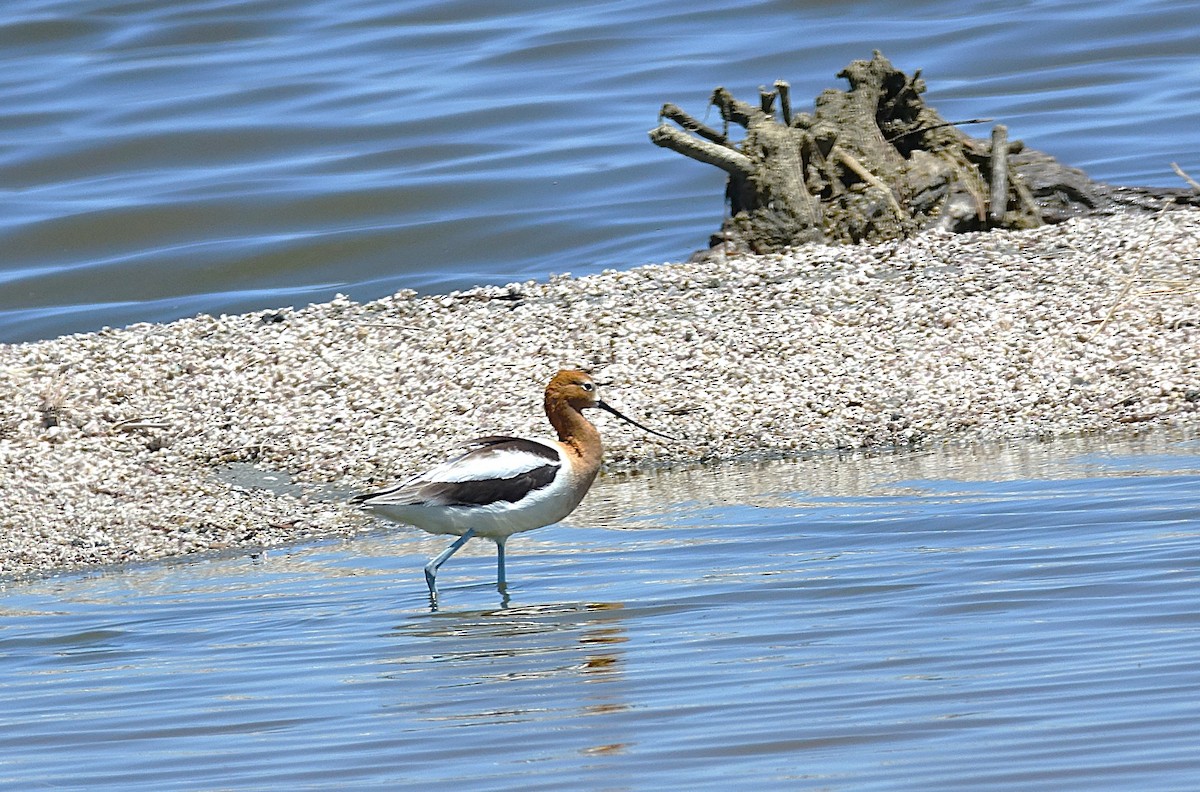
(875, 162)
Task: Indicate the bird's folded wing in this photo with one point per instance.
(495, 470)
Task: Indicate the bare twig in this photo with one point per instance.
(1129, 284)
(784, 88)
(53, 397)
(998, 203)
(932, 127)
(724, 158)
(684, 119)
(1195, 185)
(741, 113)
(766, 100)
(846, 158)
(389, 326)
(136, 424)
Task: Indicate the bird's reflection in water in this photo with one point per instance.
(527, 663)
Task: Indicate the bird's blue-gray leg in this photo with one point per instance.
(501, 581)
(434, 564)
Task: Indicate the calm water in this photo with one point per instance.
(163, 159)
(1014, 617)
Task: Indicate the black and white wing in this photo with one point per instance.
(494, 469)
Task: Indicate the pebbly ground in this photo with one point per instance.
(116, 445)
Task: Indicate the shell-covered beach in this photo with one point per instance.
(115, 445)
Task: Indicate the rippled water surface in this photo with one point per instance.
(163, 159)
(1010, 617)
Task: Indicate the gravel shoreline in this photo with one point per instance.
(112, 444)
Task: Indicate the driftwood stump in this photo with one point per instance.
(874, 163)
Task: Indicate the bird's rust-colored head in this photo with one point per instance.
(576, 389)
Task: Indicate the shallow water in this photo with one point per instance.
(1017, 616)
(163, 159)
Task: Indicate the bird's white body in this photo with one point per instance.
(499, 487)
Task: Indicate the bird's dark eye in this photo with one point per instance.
(587, 386)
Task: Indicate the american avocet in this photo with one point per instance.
(504, 485)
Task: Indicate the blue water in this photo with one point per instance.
(163, 159)
(892, 622)
(1007, 617)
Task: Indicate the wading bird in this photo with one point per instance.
(504, 485)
